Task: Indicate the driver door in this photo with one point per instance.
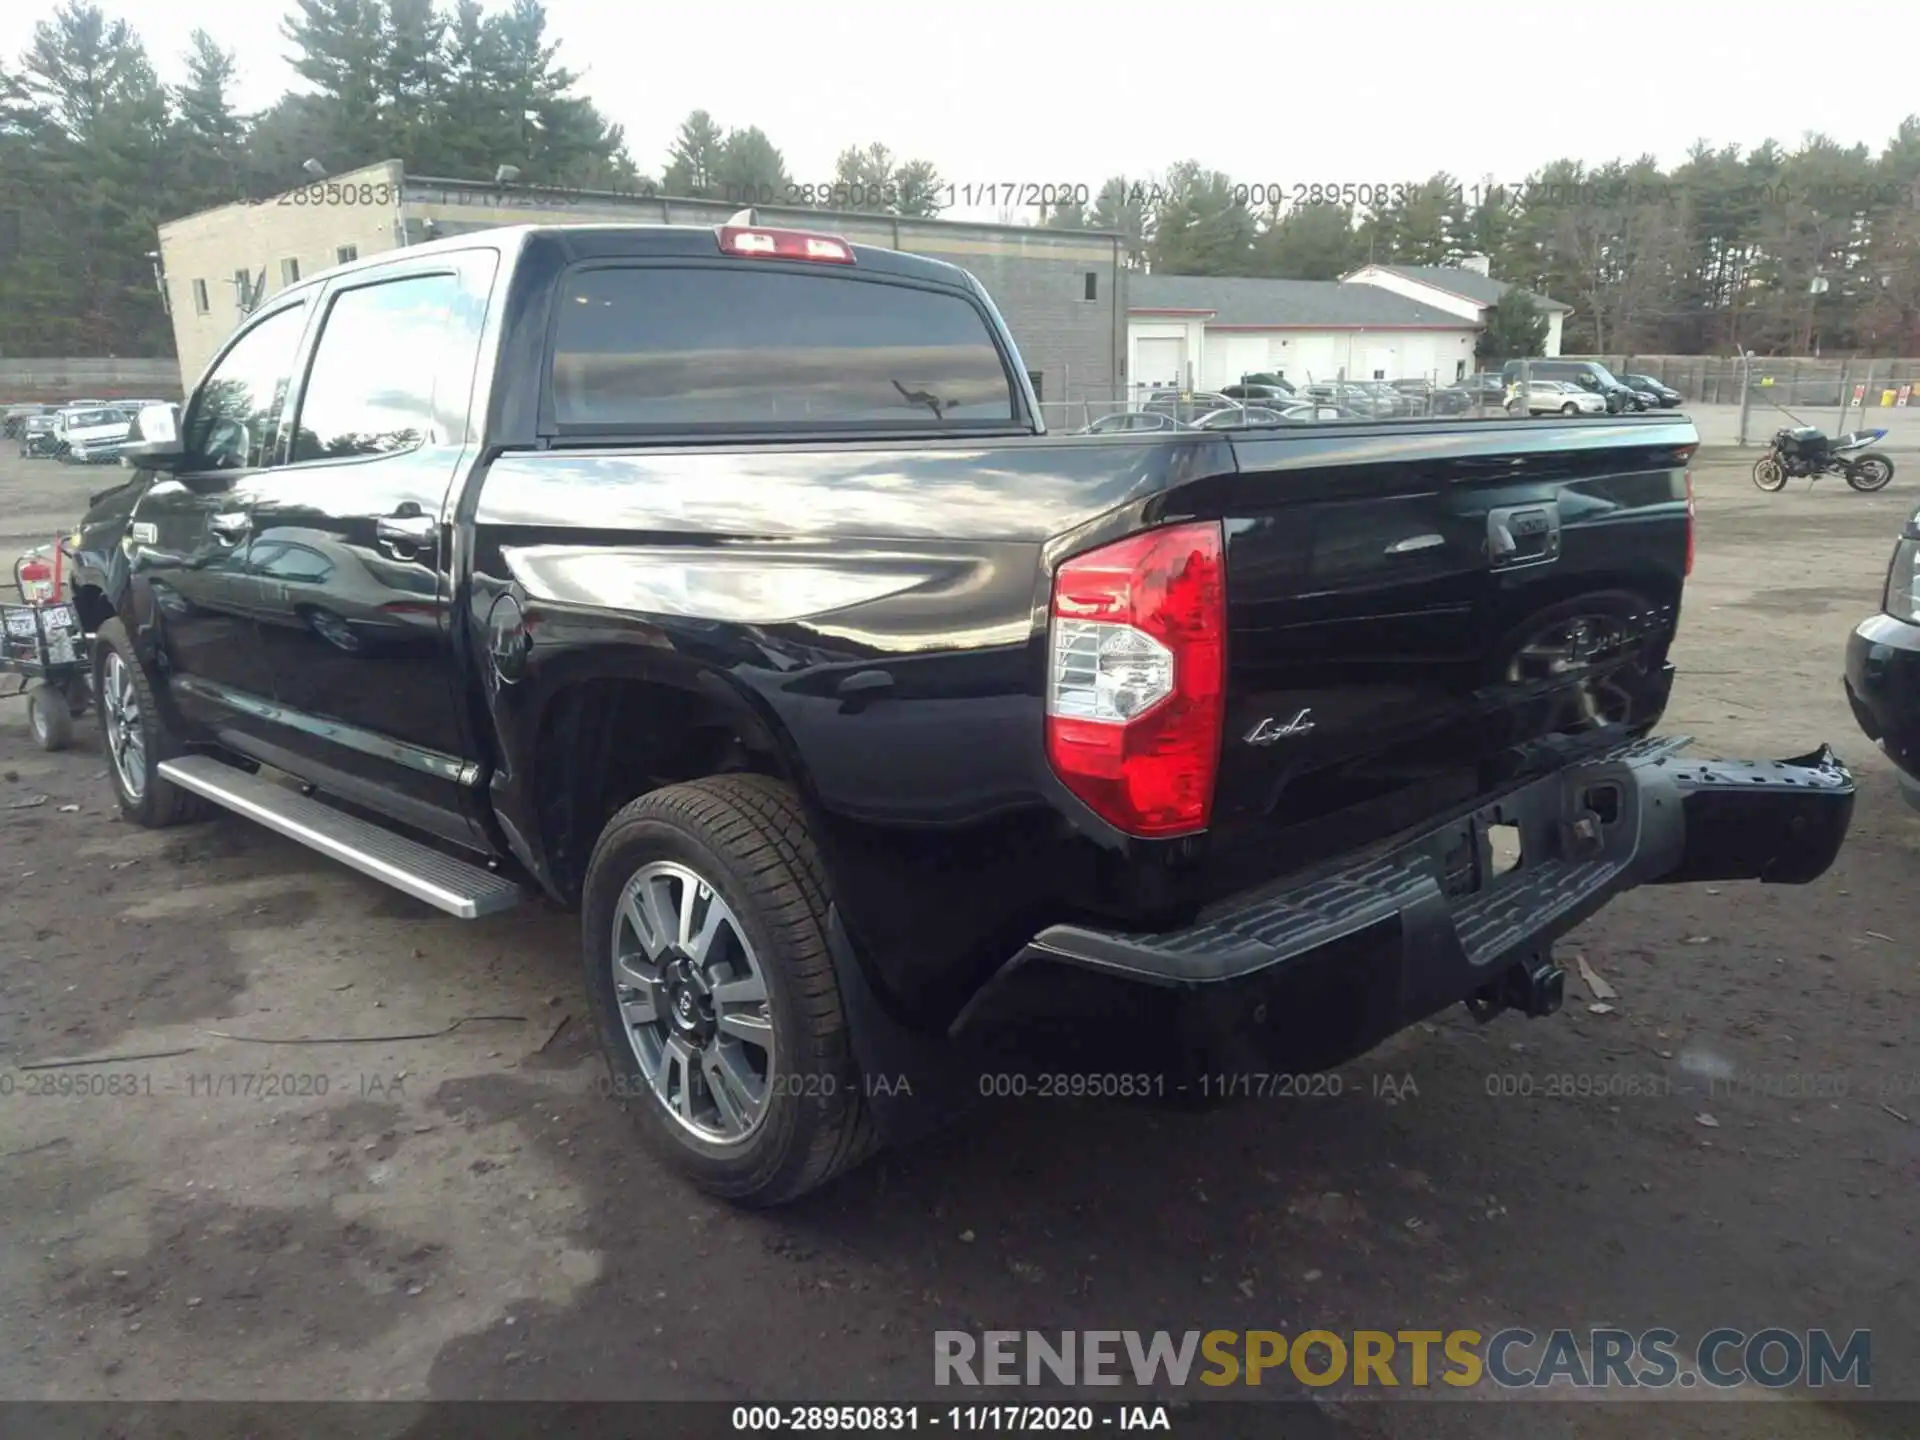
(192, 531)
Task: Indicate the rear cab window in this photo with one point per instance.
(741, 348)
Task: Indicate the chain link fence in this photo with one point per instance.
(1733, 400)
(1148, 408)
(1814, 381)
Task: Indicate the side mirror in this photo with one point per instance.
(154, 442)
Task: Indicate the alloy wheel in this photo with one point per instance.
(126, 738)
(693, 1003)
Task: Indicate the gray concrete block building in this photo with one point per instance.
(1063, 292)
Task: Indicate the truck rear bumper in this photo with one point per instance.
(1372, 943)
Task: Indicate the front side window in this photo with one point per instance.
(370, 388)
(234, 416)
(665, 348)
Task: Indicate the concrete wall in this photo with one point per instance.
(307, 226)
(1037, 277)
(104, 379)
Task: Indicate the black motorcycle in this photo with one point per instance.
(1805, 451)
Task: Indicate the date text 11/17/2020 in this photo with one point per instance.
(71, 1084)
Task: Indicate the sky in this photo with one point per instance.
(1069, 92)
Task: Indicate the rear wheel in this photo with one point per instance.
(704, 929)
(1871, 471)
(1768, 473)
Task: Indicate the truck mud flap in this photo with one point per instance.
(1778, 821)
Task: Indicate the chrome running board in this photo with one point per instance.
(460, 889)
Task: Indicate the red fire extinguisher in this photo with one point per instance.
(37, 577)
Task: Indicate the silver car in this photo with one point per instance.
(1549, 397)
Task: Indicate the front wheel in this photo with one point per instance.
(704, 930)
(1769, 474)
(136, 736)
(1569, 409)
(1870, 471)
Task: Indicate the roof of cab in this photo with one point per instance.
(601, 240)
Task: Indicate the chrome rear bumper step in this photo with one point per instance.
(460, 889)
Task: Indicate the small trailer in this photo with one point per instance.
(43, 642)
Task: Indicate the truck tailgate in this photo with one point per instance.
(1408, 609)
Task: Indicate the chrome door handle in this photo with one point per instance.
(230, 529)
(413, 530)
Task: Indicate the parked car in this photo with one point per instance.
(1353, 397)
(1239, 417)
(15, 416)
(1484, 387)
(1132, 421)
(1391, 401)
(766, 709)
(1419, 392)
(93, 437)
(1882, 678)
(1662, 395)
(1547, 397)
(1278, 392)
(38, 435)
(1589, 375)
(1185, 404)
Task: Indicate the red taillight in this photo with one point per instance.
(1689, 520)
(785, 245)
(1135, 678)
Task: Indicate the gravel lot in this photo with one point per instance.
(463, 1216)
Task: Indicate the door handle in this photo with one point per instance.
(408, 532)
(230, 529)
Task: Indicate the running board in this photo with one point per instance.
(460, 889)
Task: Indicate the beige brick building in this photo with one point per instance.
(216, 261)
(1062, 292)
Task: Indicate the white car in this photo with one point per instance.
(1548, 397)
(92, 437)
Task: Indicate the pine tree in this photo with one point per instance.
(695, 158)
(210, 135)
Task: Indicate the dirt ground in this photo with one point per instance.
(259, 1213)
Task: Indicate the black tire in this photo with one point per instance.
(746, 836)
(1569, 409)
(1870, 471)
(50, 718)
(160, 803)
(1769, 474)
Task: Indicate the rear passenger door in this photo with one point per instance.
(355, 540)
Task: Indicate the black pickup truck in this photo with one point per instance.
(723, 585)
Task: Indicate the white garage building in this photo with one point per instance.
(1466, 290)
(1203, 331)
(1381, 322)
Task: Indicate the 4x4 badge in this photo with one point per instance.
(1270, 731)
